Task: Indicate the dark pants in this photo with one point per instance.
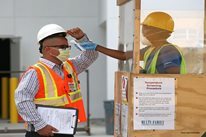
(35, 134)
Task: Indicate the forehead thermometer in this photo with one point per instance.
(73, 42)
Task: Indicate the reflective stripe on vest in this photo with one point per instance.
(152, 66)
(48, 87)
(75, 96)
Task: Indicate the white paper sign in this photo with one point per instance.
(154, 103)
(117, 118)
(124, 120)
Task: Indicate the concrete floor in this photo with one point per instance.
(97, 130)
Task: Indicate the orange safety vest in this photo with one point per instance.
(55, 91)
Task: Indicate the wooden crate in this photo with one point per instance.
(190, 89)
(190, 106)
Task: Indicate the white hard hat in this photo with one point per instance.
(49, 30)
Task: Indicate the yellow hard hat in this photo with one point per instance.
(159, 20)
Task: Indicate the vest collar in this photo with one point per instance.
(50, 64)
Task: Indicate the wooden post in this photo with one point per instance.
(204, 53)
(136, 48)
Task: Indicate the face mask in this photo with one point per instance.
(63, 54)
(145, 41)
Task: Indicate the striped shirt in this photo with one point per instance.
(29, 85)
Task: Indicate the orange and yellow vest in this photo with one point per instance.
(55, 91)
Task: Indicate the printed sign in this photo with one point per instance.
(154, 103)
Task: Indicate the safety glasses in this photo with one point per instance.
(61, 46)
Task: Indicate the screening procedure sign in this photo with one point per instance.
(154, 103)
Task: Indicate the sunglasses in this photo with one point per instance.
(61, 46)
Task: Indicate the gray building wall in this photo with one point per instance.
(24, 18)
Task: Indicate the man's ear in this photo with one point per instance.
(52, 51)
(40, 49)
(45, 49)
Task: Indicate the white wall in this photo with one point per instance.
(103, 12)
(112, 42)
(109, 19)
(25, 17)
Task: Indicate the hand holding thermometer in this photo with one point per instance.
(77, 45)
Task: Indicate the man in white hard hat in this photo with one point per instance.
(53, 80)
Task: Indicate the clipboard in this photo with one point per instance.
(63, 119)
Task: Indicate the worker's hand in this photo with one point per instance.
(88, 45)
(77, 33)
(47, 131)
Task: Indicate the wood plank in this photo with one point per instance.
(121, 2)
(118, 99)
(204, 58)
(136, 48)
(190, 108)
(117, 102)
